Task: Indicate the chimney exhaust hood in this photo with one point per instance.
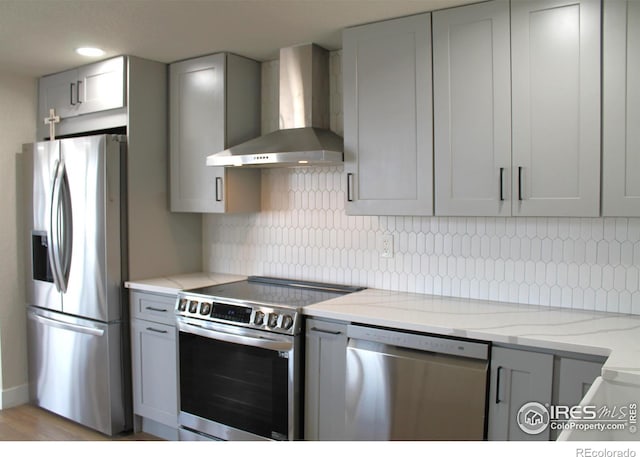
(304, 137)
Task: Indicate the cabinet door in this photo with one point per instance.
(326, 349)
(388, 117)
(517, 377)
(59, 92)
(621, 109)
(472, 110)
(235, 190)
(101, 86)
(197, 127)
(155, 371)
(574, 378)
(556, 107)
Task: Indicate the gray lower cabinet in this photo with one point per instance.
(520, 376)
(154, 363)
(573, 378)
(214, 103)
(517, 377)
(325, 371)
(388, 130)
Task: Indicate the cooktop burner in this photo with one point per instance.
(260, 302)
(275, 291)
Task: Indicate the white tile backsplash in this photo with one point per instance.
(304, 233)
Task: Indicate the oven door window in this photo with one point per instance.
(239, 386)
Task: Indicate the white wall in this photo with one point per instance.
(303, 232)
(17, 126)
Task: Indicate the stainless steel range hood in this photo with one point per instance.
(304, 137)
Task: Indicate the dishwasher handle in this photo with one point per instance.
(421, 342)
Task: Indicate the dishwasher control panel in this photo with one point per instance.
(450, 346)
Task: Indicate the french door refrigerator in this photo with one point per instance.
(79, 364)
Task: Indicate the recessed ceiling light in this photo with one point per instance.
(90, 52)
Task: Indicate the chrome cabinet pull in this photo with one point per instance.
(498, 393)
(159, 310)
(218, 189)
(71, 87)
(328, 332)
(349, 187)
(78, 92)
(520, 183)
(151, 329)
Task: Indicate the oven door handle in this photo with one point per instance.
(258, 342)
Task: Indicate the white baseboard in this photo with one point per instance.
(14, 396)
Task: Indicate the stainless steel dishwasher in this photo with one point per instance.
(406, 386)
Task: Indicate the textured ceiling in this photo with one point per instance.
(38, 37)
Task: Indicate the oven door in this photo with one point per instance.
(237, 383)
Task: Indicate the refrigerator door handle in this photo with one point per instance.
(54, 235)
(61, 228)
(66, 244)
(66, 325)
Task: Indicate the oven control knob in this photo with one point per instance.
(258, 319)
(287, 322)
(205, 309)
(182, 305)
(193, 306)
(273, 320)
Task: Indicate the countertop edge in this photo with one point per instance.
(171, 285)
(612, 369)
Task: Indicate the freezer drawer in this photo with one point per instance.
(76, 370)
(397, 392)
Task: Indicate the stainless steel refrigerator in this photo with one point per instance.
(79, 365)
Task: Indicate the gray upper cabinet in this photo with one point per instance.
(555, 61)
(522, 135)
(388, 117)
(621, 109)
(472, 110)
(84, 90)
(214, 103)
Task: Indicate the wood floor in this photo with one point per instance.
(30, 423)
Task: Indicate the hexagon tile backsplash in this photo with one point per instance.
(304, 233)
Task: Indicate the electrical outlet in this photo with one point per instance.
(386, 250)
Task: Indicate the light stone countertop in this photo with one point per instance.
(173, 284)
(616, 336)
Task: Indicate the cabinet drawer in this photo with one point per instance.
(154, 307)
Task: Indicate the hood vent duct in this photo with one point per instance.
(304, 137)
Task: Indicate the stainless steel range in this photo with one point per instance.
(241, 357)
